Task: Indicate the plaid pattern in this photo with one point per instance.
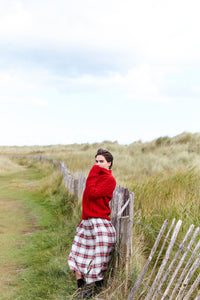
(91, 249)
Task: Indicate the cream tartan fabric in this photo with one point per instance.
(91, 249)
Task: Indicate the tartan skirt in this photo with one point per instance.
(92, 248)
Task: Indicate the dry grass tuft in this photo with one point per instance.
(7, 166)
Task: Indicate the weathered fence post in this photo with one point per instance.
(81, 185)
(122, 219)
(76, 189)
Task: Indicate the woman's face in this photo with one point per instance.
(102, 162)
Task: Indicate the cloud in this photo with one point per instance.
(19, 88)
(27, 100)
(77, 37)
(66, 62)
(157, 30)
(133, 48)
(15, 79)
(147, 83)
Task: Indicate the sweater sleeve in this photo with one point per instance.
(101, 188)
(93, 174)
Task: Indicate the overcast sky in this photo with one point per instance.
(88, 71)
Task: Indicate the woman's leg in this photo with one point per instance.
(78, 276)
(80, 281)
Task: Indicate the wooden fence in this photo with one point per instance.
(175, 273)
(178, 276)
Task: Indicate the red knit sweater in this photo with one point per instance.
(100, 185)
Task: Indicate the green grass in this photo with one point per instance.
(48, 219)
(13, 224)
(168, 196)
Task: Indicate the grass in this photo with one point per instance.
(163, 174)
(7, 166)
(10, 252)
(168, 196)
(41, 234)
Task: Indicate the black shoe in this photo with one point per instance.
(87, 292)
(99, 284)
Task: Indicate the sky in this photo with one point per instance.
(89, 71)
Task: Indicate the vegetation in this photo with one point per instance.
(163, 174)
(37, 241)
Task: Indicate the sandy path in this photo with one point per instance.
(14, 223)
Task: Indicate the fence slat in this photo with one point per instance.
(123, 208)
(173, 261)
(186, 269)
(153, 250)
(193, 287)
(188, 277)
(164, 262)
(198, 296)
(180, 264)
(161, 251)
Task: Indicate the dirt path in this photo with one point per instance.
(14, 223)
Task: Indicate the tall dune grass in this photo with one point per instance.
(154, 171)
(163, 174)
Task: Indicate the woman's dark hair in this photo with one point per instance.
(108, 156)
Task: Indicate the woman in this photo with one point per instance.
(95, 236)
